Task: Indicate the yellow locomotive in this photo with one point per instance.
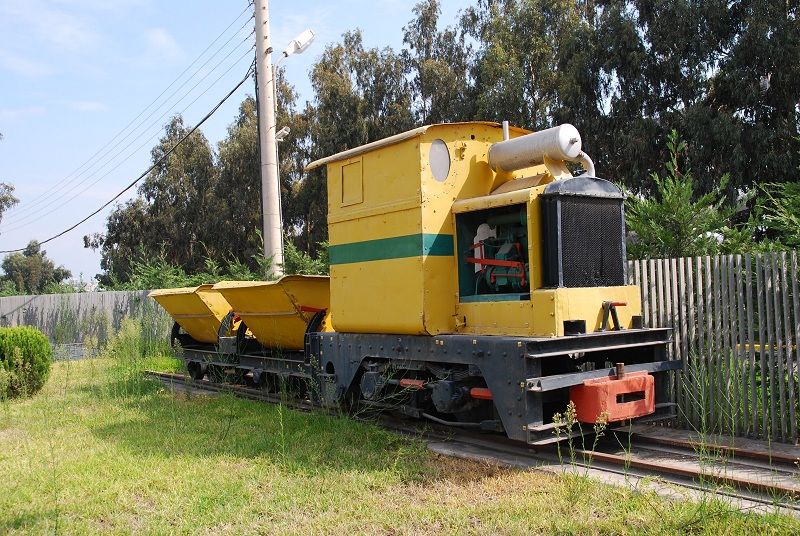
(474, 282)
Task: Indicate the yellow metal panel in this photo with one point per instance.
(536, 255)
(391, 303)
(375, 227)
(277, 312)
(198, 310)
(440, 291)
(390, 177)
(497, 318)
(370, 210)
(586, 304)
(545, 313)
(492, 201)
(352, 184)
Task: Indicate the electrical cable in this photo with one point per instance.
(75, 174)
(26, 219)
(148, 170)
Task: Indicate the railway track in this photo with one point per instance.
(751, 476)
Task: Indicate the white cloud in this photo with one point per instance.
(11, 114)
(88, 106)
(21, 65)
(161, 44)
(56, 27)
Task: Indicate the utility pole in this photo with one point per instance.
(270, 184)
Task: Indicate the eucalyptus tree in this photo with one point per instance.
(439, 63)
(7, 199)
(172, 212)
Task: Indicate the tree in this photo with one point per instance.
(439, 62)
(237, 190)
(31, 272)
(781, 208)
(236, 194)
(756, 89)
(675, 221)
(7, 199)
(173, 211)
(176, 194)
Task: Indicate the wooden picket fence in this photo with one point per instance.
(736, 321)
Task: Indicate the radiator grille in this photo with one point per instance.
(591, 242)
(583, 234)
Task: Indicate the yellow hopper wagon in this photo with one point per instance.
(200, 313)
(248, 330)
(475, 281)
(278, 312)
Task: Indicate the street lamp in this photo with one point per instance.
(270, 185)
(299, 44)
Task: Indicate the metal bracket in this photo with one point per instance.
(611, 307)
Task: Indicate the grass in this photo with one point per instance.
(100, 449)
(716, 406)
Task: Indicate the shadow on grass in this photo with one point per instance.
(31, 519)
(154, 421)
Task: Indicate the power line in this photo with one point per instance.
(26, 219)
(38, 200)
(148, 170)
(99, 164)
(74, 175)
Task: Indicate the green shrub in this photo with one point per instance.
(25, 355)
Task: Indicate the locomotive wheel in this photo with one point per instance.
(195, 370)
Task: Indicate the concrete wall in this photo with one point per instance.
(71, 318)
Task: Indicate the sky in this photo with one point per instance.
(86, 87)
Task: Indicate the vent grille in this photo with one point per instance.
(591, 242)
(584, 241)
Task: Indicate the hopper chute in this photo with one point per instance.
(199, 310)
(277, 313)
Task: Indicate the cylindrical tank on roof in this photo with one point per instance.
(558, 143)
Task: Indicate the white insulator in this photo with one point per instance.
(558, 143)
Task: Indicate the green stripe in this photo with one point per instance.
(398, 247)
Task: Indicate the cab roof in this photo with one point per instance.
(397, 138)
